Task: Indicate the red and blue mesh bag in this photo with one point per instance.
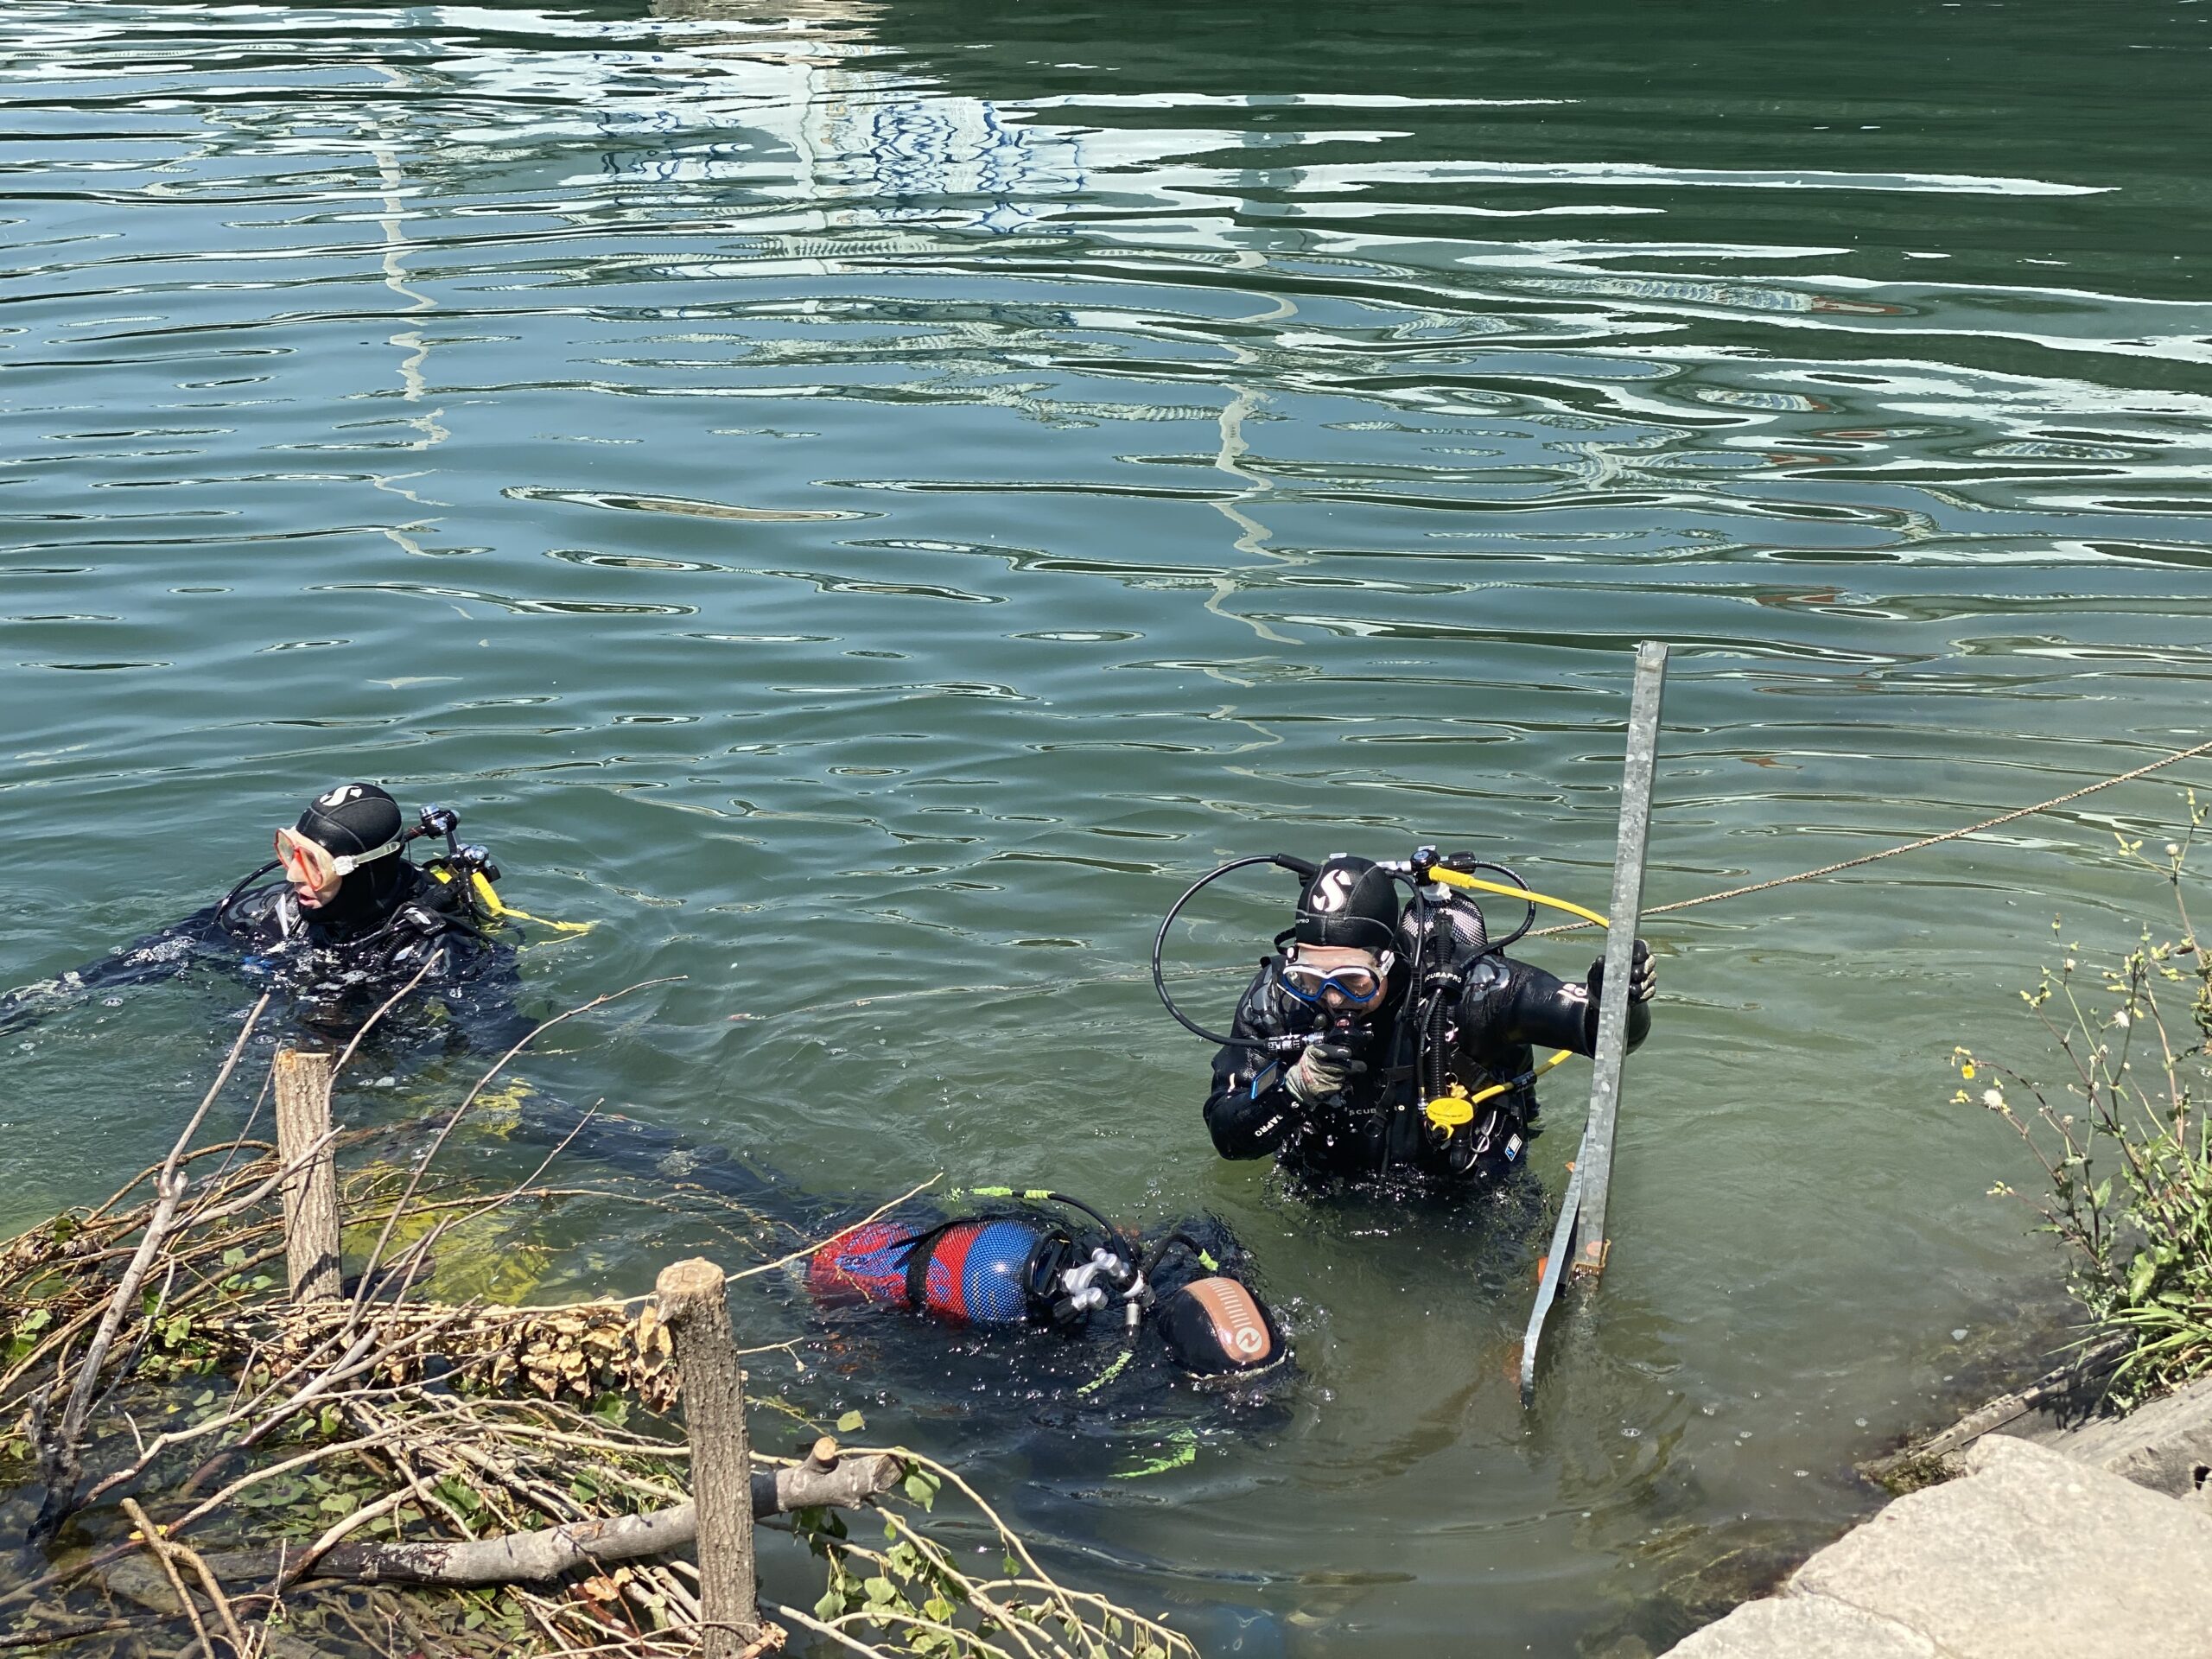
(977, 1271)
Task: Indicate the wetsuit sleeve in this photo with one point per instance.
(1251, 1113)
(146, 961)
(1509, 1004)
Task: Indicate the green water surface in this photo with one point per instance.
(872, 497)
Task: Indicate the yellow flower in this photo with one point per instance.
(1967, 1069)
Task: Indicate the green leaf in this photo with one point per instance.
(851, 1422)
(830, 1607)
(880, 1592)
(922, 1487)
(2139, 1276)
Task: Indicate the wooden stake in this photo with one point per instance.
(695, 1306)
(311, 1191)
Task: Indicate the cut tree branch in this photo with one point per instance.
(534, 1557)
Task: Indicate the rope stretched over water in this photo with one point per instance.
(1837, 868)
(1910, 846)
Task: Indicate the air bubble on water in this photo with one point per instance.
(1959, 1335)
(1860, 1422)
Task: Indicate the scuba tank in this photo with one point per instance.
(982, 1270)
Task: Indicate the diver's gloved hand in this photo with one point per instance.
(1643, 976)
(1322, 1071)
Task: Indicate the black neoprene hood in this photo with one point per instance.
(352, 818)
(1349, 902)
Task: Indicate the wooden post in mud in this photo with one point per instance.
(695, 1306)
(311, 1190)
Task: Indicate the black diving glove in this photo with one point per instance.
(1643, 976)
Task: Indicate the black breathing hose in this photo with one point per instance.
(1115, 1237)
(1159, 1252)
(223, 905)
(1297, 867)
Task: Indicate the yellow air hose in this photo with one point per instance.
(1448, 1112)
(489, 898)
(492, 902)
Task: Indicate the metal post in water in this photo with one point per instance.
(1580, 1240)
(1623, 916)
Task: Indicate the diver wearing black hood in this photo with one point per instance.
(352, 918)
(1351, 1104)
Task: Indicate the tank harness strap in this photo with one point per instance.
(919, 1250)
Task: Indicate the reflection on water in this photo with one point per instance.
(866, 499)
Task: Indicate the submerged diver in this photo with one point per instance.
(1369, 1011)
(353, 919)
(1098, 1302)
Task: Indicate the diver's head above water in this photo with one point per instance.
(1339, 950)
(342, 857)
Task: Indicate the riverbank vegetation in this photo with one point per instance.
(210, 1438)
(2122, 1134)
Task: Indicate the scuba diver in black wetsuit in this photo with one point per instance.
(352, 920)
(1096, 1302)
(1394, 1044)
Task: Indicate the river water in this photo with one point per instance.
(866, 498)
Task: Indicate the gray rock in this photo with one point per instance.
(2035, 1556)
(1804, 1627)
(2161, 1446)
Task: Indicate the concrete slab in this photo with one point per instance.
(2034, 1556)
(1803, 1627)
(2161, 1445)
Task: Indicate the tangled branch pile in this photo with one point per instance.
(196, 1456)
